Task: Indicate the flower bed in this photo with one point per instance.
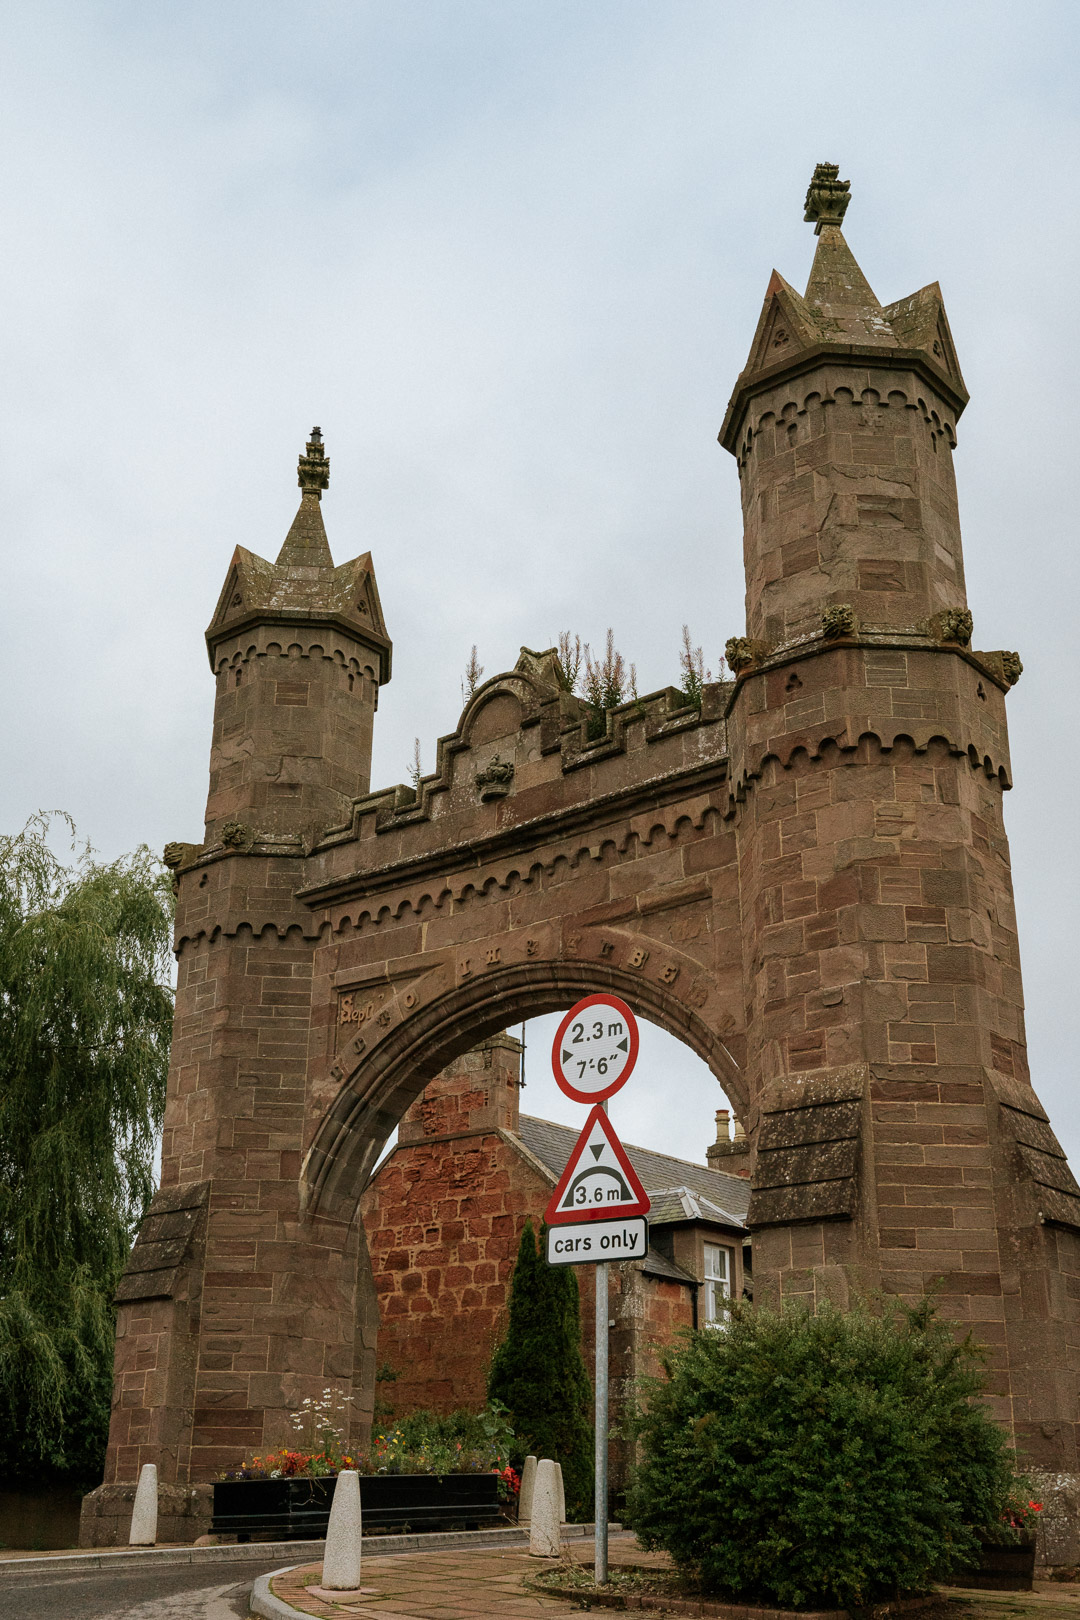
(427, 1472)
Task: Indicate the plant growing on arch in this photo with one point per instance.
(538, 1372)
(603, 683)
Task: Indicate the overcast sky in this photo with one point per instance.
(510, 256)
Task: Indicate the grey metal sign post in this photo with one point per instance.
(600, 1417)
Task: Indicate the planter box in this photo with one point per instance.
(299, 1509)
(1002, 1567)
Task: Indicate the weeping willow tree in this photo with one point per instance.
(85, 1023)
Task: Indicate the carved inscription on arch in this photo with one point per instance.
(367, 1013)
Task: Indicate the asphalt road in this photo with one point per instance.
(184, 1592)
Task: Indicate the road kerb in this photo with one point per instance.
(115, 1558)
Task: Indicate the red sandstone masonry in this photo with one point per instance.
(807, 881)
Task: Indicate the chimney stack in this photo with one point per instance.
(728, 1153)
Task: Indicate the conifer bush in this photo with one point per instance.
(826, 1460)
(538, 1372)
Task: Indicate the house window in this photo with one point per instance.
(719, 1274)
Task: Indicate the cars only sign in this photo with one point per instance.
(585, 1242)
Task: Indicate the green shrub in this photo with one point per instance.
(538, 1373)
(819, 1459)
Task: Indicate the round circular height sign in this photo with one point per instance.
(595, 1048)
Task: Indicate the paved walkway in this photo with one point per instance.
(488, 1585)
(450, 1585)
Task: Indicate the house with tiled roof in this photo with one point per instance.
(443, 1216)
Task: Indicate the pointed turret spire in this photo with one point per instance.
(838, 293)
(306, 545)
(840, 318)
(303, 585)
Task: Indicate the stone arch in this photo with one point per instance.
(352, 1132)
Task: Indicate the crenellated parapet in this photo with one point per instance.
(525, 734)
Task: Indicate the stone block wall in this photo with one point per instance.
(184, 1514)
(884, 538)
(444, 1218)
(215, 1367)
(647, 1313)
(294, 714)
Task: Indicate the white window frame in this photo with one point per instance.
(718, 1284)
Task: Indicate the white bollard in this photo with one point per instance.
(143, 1531)
(544, 1540)
(525, 1494)
(341, 1560)
(562, 1493)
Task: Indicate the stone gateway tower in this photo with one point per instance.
(806, 879)
(884, 1010)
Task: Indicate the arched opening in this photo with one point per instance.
(443, 1214)
(386, 1079)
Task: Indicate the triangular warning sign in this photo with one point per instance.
(599, 1182)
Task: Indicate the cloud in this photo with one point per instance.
(510, 258)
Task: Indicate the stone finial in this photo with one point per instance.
(827, 197)
(1010, 663)
(957, 625)
(313, 469)
(739, 653)
(495, 779)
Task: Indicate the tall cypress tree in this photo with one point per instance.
(85, 1027)
(538, 1371)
